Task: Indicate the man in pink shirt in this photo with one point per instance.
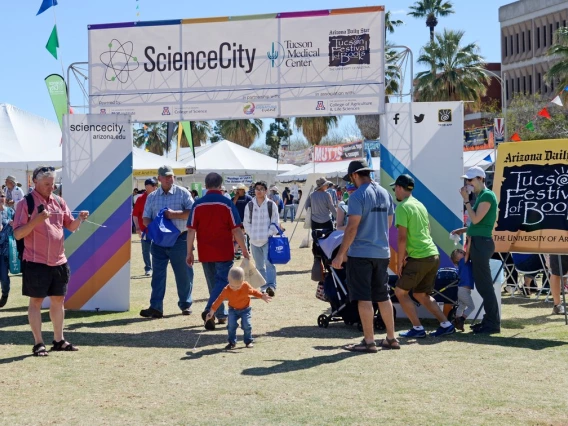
(44, 267)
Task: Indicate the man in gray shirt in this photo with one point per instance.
(322, 206)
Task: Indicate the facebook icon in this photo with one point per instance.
(395, 118)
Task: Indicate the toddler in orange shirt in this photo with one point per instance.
(238, 294)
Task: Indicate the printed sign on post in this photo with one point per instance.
(531, 184)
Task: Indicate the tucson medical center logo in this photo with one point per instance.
(292, 53)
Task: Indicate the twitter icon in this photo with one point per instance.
(419, 118)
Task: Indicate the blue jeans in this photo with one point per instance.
(216, 275)
(4, 278)
(245, 315)
(183, 274)
(289, 208)
(266, 269)
(146, 245)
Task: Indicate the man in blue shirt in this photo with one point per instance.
(179, 202)
(366, 249)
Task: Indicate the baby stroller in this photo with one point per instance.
(326, 246)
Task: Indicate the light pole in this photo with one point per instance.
(503, 94)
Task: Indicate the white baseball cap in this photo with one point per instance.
(474, 172)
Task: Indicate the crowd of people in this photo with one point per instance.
(223, 224)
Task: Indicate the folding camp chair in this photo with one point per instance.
(528, 264)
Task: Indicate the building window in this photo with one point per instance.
(523, 41)
(529, 40)
(517, 37)
(512, 87)
(505, 45)
(518, 84)
(551, 35)
(530, 85)
(544, 36)
(524, 85)
(538, 38)
(539, 82)
(511, 44)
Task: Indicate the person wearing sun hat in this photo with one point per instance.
(483, 215)
(13, 192)
(321, 205)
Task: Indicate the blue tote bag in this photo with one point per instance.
(162, 231)
(278, 248)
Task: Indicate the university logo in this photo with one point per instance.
(320, 106)
(166, 111)
(276, 55)
(444, 115)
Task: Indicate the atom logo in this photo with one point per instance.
(119, 61)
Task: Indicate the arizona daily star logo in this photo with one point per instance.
(292, 53)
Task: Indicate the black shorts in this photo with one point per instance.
(40, 280)
(555, 265)
(367, 279)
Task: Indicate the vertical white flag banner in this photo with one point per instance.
(97, 176)
(317, 63)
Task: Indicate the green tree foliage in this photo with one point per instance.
(241, 132)
(151, 136)
(315, 128)
(456, 71)
(431, 10)
(278, 131)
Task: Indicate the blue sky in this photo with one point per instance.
(26, 62)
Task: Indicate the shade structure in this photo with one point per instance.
(483, 158)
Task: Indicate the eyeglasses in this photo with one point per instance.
(43, 170)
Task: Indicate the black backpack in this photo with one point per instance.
(31, 204)
(250, 207)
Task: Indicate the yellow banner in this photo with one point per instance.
(154, 172)
(531, 184)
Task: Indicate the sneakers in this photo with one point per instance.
(442, 331)
(230, 346)
(486, 330)
(186, 311)
(413, 334)
(148, 273)
(151, 313)
(4, 299)
(209, 325)
(270, 291)
(249, 345)
(557, 310)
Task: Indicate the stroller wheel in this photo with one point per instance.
(379, 324)
(323, 321)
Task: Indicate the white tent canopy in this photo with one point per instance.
(27, 141)
(336, 169)
(483, 158)
(146, 164)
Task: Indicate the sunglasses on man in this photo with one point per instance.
(43, 170)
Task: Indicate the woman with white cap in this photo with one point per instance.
(483, 215)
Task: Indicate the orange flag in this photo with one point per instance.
(515, 137)
(544, 113)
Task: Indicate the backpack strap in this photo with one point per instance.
(251, 206)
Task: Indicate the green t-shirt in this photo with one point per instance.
(345, 196)
(485, 227)
(412, 214)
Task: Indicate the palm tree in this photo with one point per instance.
(559, 71)
(456, 72)
(200, 131)
(431, 9)
(152, 136)
(241, 132)
(315, 128)
(390, 24)
(369, 124)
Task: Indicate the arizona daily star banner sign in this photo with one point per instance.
(531, 184)
(316, 63)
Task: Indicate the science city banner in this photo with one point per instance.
(424, 140)
(531, 184)
(317, 63)
(97, 176)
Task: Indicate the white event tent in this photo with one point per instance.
(26, 141)
(335, 169)
(483, 158)
(229, 159)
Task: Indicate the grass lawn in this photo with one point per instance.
(132, 370)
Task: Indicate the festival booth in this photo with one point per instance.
(27, 141)
(235, 163)
(146, 164)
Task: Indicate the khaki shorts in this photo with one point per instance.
(419, 275)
